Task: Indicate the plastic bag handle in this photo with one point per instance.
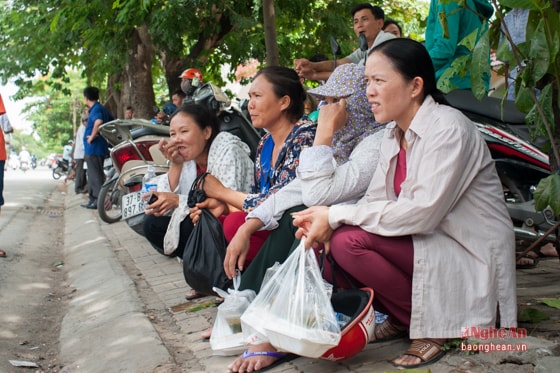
(237, 280)
(236, 283)
(196, 193)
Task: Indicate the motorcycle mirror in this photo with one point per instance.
(363, 42)
(335, 49)
(363, 45)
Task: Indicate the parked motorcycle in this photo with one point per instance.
(133, 147)
(520, 164)
(62, 167)
(231, 118)
(109, 198)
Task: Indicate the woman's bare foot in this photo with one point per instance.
(548, 250)
(256, 358)
(206, 334)
(193, 294)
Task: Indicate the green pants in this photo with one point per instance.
(277, 247)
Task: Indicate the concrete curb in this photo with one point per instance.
(104, 329)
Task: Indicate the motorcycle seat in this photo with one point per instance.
(492, 107)
(152, 130)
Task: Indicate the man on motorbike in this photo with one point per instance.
(67, 151)
(368, 20)
(24, 158)
(33, 161)
(191, 80)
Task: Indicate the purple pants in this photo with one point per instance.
(382, 263)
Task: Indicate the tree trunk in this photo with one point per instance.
(114, 95)
(173, 65)
(136, 85)
(272, 55)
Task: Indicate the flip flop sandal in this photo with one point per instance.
(281, 358)
(427, 350)
(194, 295)
(532, 262)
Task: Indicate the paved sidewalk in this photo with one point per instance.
(123, 287)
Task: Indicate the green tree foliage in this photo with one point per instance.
(124, 46)
(538, 82)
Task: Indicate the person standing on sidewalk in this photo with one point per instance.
(5, 126)
(80, 181)
(96, 147)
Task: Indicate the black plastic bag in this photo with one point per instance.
(205, 251)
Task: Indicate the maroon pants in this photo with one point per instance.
(231, 224)
(381, 263)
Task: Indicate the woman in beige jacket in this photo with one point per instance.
(432, 235)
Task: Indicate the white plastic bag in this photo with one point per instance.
(227, 338)
(293, 309)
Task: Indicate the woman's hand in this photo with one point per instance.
(313, 225)
(165, 202)
(216, 207)
(170, 152)
(332, 117)
(304, 68)
(213, 187)
(236, 252)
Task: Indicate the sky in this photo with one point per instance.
(14, 108)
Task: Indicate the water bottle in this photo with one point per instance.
(148, 182)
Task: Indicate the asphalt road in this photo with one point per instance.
(32, 290)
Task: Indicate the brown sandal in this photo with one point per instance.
(427, 350)
(2, 253)
(387, 331)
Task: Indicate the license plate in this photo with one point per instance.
(132, 205)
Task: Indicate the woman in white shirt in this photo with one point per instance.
(196, 145)
(432, 235)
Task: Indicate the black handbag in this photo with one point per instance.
(205, 251)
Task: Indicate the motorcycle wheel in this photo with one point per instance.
(57, 173)
(109, 202)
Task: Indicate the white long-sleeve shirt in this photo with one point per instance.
(320, 181)
(228, 161)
